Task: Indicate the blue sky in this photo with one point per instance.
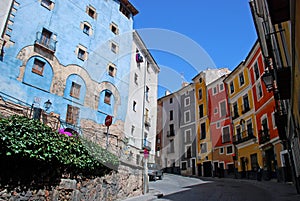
(222, 29)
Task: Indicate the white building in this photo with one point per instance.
(140, 122)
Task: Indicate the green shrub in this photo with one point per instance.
(29, 138)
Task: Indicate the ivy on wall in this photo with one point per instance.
(30, 139)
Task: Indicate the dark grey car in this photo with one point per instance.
(154, 171)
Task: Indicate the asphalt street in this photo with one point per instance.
(178, 188)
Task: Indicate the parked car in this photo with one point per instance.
(154, 171)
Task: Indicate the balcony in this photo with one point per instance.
(235, 115)
(245, 108)
(147, 145)
(263, 136)
(45, 43)
(281, 123)
(170, 133)
(147, 121)
(243, 136)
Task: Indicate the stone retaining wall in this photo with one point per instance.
(118, 185)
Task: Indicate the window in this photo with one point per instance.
(107, 97)
(171, 115)
(114, 47)
(200, 94)
(264, 124)
(215, 90)
(187, 117)
(75, 90)
(114, 28)
(111, 70)
(86, 29)
(202, 131)
(187, 136)
(231, 87)
(229, 150)
(172, 131)
(246, 106)
(124, 10)
(225, 134)
(47, 4)
(171, 100)
(46, 40)
(172, 148)
(72, 115)
(235, 110)
(259, 92)
(221, 150)
(38, 67)
(147, 93)
(188, 151)
(221, 87)
(254, 163)
(201, 113)
(223, 108)
(218, 125)
(136, 79)
(134, 106)
(186, 101)
(249, 127)
(81, 52)
(91, 11)
(241, 78)
(203, 148)
(256, 71)
(200, 80)
(183, 165)
(215, 110)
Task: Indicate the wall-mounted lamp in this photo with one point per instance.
(47, 104)
(267, 78)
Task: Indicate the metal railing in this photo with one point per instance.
(243, 136)
(264, 136)
(46, 42)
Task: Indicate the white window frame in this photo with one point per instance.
(232, 150)
(214, 90)
(223, 133)
(257, 90)
(221, 108)
(264, 116)
(186, 148)
(221, 84)
(185, 120)
(185, 135)
(221, 152)
(185, 101)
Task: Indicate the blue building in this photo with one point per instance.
(74, 53)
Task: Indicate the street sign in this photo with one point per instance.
(108, 120)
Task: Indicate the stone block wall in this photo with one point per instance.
(118, 185)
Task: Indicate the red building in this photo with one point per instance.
(269, 143)
(220, 128)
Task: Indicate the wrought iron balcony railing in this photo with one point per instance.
(243, 136)
(45, 42)
(263, 136)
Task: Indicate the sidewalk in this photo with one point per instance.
(152, 195)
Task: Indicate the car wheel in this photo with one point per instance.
(160, 177)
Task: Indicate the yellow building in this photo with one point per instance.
(204, 143)
(240, 98)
